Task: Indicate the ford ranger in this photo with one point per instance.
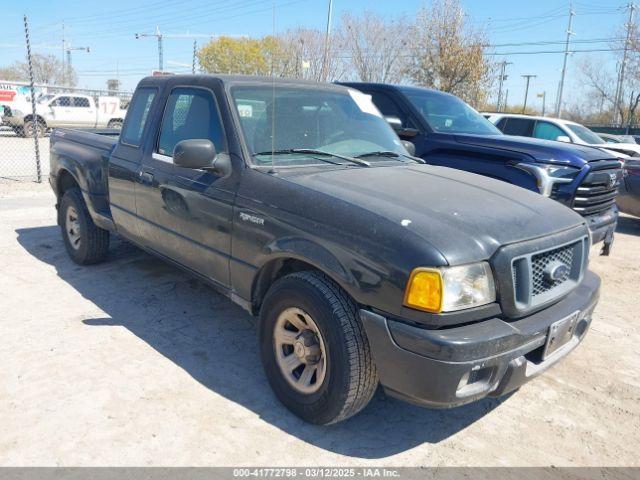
(364, 266)
(446, 131)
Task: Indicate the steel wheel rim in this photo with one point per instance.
(72, 227)
(300, 350)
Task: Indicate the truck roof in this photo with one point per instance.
(238, 79)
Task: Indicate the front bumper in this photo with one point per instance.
(602, 225)
(451, 367)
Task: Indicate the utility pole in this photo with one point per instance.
(327, 39)
(193, 61)
(503, 77)
(506, 99)
(564, 63)
(159, 36)
(619, 85)
(526, 91)
(543, 95)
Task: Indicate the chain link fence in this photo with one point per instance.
(55, 106)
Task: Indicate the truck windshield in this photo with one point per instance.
(584, 134)
(449, 114)
(292, 121)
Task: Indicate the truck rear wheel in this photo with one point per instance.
(85, 242)
(116, 124)
(314, 349)
(32, 129)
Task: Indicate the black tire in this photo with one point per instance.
(351, 377)
(19, 131)
(32, 129)
(93, 243)
(117, 124)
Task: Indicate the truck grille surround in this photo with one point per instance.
(598, 191)
(536, 273)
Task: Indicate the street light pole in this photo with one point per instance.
(526, 91)
(327, 40)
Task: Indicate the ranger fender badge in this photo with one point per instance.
(245, 217)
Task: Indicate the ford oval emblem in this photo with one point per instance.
(556, 271)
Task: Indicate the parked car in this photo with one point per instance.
(448, 132)
(629, 199)
(65, 110)
(611, 138)
(364, 265)
(560, 130)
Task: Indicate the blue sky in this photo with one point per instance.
(108, 28)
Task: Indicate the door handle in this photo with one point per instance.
(146, 178)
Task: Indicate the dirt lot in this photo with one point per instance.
(134, 363)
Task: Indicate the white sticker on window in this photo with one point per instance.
(364, 102)
(245, 110)
(448, 122)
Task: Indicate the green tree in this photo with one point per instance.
(246, 56)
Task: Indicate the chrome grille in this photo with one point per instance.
(541, 261)
(597, 192)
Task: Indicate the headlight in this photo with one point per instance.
(448, 289)
(548, 175)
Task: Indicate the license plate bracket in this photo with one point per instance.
(560, 333)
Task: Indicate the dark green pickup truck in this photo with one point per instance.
(364, 266)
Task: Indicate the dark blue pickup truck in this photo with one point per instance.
(446, 131)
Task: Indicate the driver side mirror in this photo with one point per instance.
(563, 138)
(200, 154)
(409, 147)
(401, 131)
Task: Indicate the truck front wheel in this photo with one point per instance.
(85, 242)
(314, 349)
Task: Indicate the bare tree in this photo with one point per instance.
(448, 54)
(602, 84)
(376, 46)
(304, 50)
(47, 69)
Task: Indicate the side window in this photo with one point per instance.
(61, 102)
(547, 131)
(81, 102)
(522, 127)
(137, 115)
(389, 108)
(501, 124)
(190, 113)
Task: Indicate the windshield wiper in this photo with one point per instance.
(389, 154)
(311, 151)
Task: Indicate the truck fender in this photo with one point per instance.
(289, 254)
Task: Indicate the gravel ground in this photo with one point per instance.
(132, 362)
(17, 156)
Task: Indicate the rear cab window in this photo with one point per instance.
(137, 116)
(522, 127)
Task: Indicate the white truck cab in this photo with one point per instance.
(66, 110)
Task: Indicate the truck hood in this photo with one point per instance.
(466, 217)
(546, 151)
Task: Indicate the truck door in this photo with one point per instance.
(126, 161)
(84, 112)
(186, 214)
(62, 112)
